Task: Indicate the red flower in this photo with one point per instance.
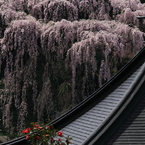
(36, 126)
(67, 141)
(48, 127)
(37, 137)
(52, 140)
(47, 135)
(23, 131)
(59, 139)
(27, 130)
(27, 137)
(40, 127)
(59, 133)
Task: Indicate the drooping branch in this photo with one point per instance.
(58, 37)
(55, 10)
(18, 46)
(54, 53)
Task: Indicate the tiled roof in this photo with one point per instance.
(132, 130)
(84, 126)
(106, 106)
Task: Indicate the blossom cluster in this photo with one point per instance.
(45, 135)
(55, 53)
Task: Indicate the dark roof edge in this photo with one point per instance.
(96, 138)
(132, 65)
(17, 141)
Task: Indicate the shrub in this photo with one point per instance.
(45, 135)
